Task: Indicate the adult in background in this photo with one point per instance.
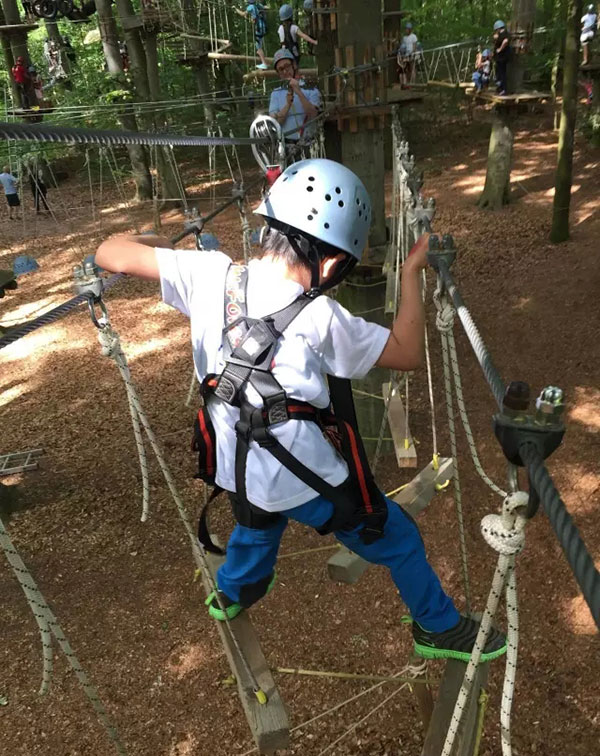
(9, 184)
(294, 105)
(501, 55)
(39, 190)
(21, 77)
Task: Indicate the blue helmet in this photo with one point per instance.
(308, 5)
(408, 25)
(282, 54)
(499, 25)
(24, 264)
(286, 12)
(485, 53)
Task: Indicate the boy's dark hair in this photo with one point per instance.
(277, 244)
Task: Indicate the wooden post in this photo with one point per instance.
(444, 707)
(268, 722)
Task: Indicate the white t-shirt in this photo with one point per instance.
(293, 33)
(410, 43)
(9, 182)
(296, 115)
(323, 338)
(588, 22)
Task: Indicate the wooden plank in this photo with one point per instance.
(272, 74)
(423, 487)
(347, 567)
(404, 445)
(268, 722)
(338, 82)
(444, 707)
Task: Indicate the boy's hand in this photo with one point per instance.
(417, 257)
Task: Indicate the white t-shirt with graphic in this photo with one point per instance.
(323, 338)
(410, 43)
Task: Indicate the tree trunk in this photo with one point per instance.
(496, 191)
(18, 44)
(200, 68)
(568, 117)
(9, 60)
(110, 45)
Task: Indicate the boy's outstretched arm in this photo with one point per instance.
(405, 348)
(133, 255)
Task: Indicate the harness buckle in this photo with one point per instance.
(263, 438)
(276, 407)
(225, 389)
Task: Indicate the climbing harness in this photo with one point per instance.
(249, 347)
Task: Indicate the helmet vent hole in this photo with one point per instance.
(310, 217)
(338, 190)
(311, 178)
(355, 242)
(285, 178)
(341, 203)
(328, 197)
(359, 214)
(309, 188)
(326, 225)
(294, 173)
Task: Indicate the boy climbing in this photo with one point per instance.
(483, 70)
(289, 32)
(589, 26)
(263, 341)
(256, 13)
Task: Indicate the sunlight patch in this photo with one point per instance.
(579, 617)
(12, 393)
(586, 409)
(188, 659)
(151, 345)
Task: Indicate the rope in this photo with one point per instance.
(112, 348)
(49, 626)
(505, 534)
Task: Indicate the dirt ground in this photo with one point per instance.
(124, 591)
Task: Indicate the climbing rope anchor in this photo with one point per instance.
(89, 283)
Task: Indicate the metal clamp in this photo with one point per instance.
(420, 213)
(88, 283)
(515, 426)
(441, 249)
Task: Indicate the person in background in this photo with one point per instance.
(294, 104)
(289, 32)
(39, 190)
(9, 184)
(256, 13)
(21, 77)
(501, 55)
(37, 84)
(311, 30)
(483, 70)
(407, 52)
(589, 26)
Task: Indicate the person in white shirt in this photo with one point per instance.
(294, 105)
(289, 32)
(407, 53)
(9, 184)
(589, 25)
(318, 215)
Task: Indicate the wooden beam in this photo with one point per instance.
(444, 707)
(272, 74)
(404, 446)
(268, 722)
(347, 567)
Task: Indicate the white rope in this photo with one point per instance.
(48, 626)
(505, 533)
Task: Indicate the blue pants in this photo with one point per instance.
(251, 556)
(480, 80)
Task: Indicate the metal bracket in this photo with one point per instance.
(443, 249)
(88, 282)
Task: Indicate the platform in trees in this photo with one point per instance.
(397, 94)
(268, 722)
(509, 99)
(16, 28)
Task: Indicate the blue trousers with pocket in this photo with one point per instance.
(251, 556)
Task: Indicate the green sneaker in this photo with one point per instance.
(230, 609)
(458, 642)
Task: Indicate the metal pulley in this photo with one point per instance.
(270, 153)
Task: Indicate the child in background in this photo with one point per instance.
(483, 70)
(289, 32)
(407, 53)
(589, 25)
(311, 30)
(255, 13)
(9, 184)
